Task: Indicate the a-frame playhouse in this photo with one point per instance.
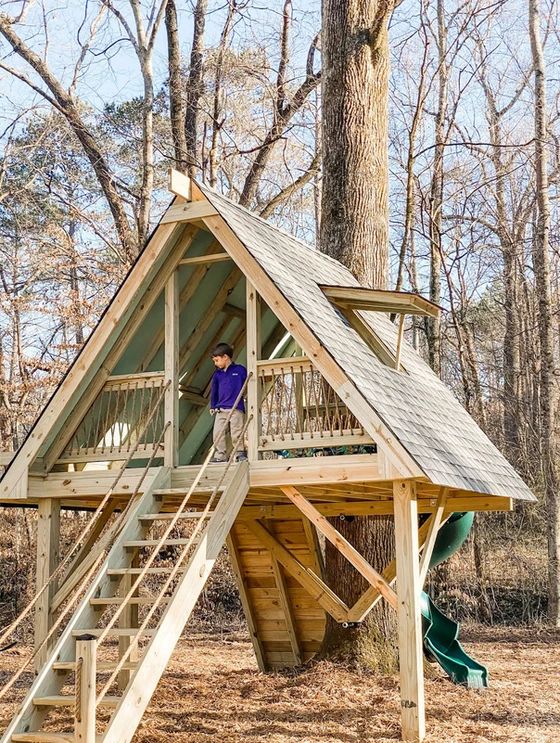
(128, 435)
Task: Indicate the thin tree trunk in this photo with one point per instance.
(195, 87)
(176, 107)
(541, 260)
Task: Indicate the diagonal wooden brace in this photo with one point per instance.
(343, 545)
(372, 596)
(316, 587)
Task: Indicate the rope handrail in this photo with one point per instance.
(122, 519)
(198, 527)
(79, 542)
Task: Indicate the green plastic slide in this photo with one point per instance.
(441, 634)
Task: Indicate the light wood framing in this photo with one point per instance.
(48, 546)
(253, 344)
(171, 356)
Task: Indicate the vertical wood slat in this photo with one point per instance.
(171, 346)
(253, 343)
(410, 621)
(48, 545)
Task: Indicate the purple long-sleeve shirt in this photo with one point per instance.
(226, 385)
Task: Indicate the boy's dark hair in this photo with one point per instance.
(223, 349)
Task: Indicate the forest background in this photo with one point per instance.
(99, 99)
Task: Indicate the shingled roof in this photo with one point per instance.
(415, 405)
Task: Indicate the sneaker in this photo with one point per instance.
(241, 457)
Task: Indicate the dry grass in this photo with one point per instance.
(213, 691)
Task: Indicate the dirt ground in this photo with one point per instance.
(213, 691)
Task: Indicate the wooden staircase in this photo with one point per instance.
(56, 686)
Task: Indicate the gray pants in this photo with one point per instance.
(234, 428)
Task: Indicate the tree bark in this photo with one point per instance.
(176, 107)
(354, 222)
(541, 261)
(195, 86)
(354, 230)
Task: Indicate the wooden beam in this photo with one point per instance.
(399, 343)
(286, 606)
(253, 341)
(410, 621)
(381, 300)
(86, 669)
(342, 545)
(304, 440)
(188, 212)
(235, 561)
(371, 596)
(171, 354)
(179, 184)
(128, 618)
(310, 470)
(48, 546)
(435, 523)
(314, 585)
(211, 258)
(193, 397)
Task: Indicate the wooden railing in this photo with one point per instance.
(299, 409)
(111, 427)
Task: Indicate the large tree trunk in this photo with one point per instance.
(354, 230)
(541, 261)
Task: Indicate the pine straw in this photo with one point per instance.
(213, 691)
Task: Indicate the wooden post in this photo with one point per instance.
(48, 533)
(253, 342)
(84, 713)
(171, 404)
(410, 621)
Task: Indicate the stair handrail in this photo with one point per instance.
(180, 510)
(78, 543)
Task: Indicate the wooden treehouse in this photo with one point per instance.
(127, 434)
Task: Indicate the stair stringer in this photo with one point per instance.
(49, 682)
(122, 725)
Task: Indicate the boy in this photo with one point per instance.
(227, 382)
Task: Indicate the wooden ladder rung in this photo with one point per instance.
(118, 600)
(140, 543)
(119, 572)
(61, 700)
(170, 516)
(70, 665)
(114, 632)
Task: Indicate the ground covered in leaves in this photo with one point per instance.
(213, 691)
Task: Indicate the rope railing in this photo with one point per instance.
(80, 540)
(184, 552)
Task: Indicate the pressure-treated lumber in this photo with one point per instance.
(253, 344)
(381, 300)
(409, 618)
(48, 545)
(285, 604)
(84, 717)
(188, 212)
(342, 545)
(210, 258)
(171, 357)
(248, 611)
(432, 536)
(179, 184)
(312, 583)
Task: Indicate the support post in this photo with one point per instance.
(171, 346)
(48, 544)
(128, 618)
(84, 713)
(253, 341)
(410, 622)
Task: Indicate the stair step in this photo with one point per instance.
(170, 516)
(115, 572)
(70, 665)
(114, 632)
(62, 700)
(139, 543)
(42, 736)
(118, 600)
(184, 491)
